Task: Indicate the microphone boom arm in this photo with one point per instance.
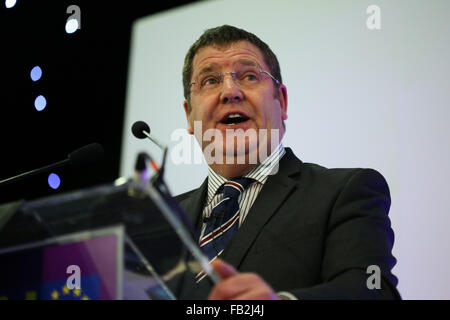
(160, 172)
(34, 172)
(155, 141)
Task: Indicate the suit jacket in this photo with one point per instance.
(312, 231)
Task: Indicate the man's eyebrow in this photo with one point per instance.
(216, 66)
(247, 62)
(209, 68)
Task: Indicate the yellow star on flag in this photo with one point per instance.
(55, 295)
(65, 290)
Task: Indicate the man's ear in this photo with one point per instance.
(187, 111)
(282, 93)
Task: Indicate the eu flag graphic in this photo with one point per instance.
(43, 272)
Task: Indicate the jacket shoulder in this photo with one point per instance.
(185, 195)
(316, 170)
(330, 178)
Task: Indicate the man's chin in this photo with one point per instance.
(241, 154)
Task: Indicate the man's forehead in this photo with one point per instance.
(228, 53)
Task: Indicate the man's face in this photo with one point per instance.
(259, 106)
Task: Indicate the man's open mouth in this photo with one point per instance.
(234, 118)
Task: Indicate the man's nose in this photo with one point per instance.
(231, 92)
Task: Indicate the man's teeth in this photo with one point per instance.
(235, 118)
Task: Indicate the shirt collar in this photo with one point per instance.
(260, 173)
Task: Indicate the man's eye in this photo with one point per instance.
(249, 76)
(208, 81)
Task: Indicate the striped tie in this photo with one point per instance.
(223, 222)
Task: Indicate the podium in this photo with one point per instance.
(105, 242)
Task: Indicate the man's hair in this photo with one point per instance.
(225, 35)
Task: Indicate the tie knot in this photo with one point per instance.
(234, 187)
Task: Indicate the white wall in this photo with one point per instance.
(357, 98)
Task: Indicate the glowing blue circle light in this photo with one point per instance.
(71, 25)
(10, 3)
(40, 103)
(54, 181)
(36, 73)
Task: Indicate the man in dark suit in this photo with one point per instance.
(303, 231)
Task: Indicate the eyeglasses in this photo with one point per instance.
(246, 76)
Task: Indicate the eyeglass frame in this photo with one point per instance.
(233, 73)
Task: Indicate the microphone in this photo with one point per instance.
(138, 129)
(84, 155)
(141, 130)
(141, 167)
(141, 161)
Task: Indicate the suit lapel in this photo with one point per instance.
(276, 190)
(193, 205)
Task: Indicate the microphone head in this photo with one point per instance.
(87, 154)
(137, 129)
(141, 161)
